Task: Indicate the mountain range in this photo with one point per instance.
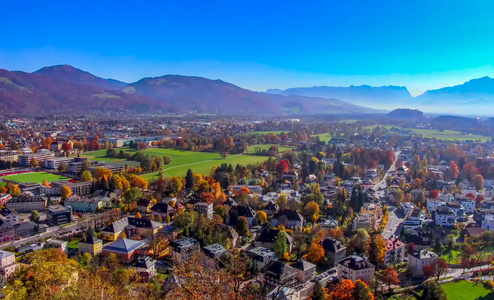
(68, 90)
(65, 89)
(472, 97)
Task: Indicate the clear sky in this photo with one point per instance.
(256, 44)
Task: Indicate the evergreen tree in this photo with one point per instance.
(280, 245)
(189, 180)
(318, 293)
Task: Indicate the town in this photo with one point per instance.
(198, 208)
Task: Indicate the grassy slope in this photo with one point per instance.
(466, 290)
(37, 177)
(446, 135)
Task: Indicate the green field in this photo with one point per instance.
(445, 135)
(326, 137)
(199, 162)
(267, 132)
(252, 149)
(467, 290)
(202, 164)
(453, 256)
(36, 177)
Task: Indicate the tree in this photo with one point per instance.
(243, 226)
(361, 239)
(318, 292)
(280, 244)
(428, 270)
(433, 291)
(390, 276)
(140, 182)
(478, 182)
(46, 183)
(453, 170)
(282, 167)
(138, 215)
(34, 163)
(261, 217)
(132, 195)
(15, 191)
(34, 217)
(316, 253)
(86, 176)
(282, 201)
(311, 211)
(362, 291)
(343, 291)
(65, 192)
(377, 249)
(189, 180)
(441, 267)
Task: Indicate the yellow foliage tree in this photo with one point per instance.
(65, 192)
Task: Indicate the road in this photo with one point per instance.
(393, 227)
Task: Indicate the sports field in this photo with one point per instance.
(181, 160)
(466, 290)
(37, 177)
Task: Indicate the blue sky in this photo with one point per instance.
(257, 44)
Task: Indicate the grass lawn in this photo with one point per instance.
(267, 132)
(100, 155)
(252, 149)
(36, 177)
(73, 244)
(467, 290)
(202, 165)
(3, 183)
(453, 256)
(326, 137)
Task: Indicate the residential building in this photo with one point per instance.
(468, 204)
(7, 232)
(242, 211)
(271, 208)
(334, 249)
(212, 254)
(444, 216)
(267, 238)
(12, 216)
(144, 205)
(395, 251)
(278, 273)
(204, 208)
(26, 229)
(57, 215)
(488, 222)
(288, 217)
(261, 257)
(184, 248)
(58, 244)
(27, 203)
(364, 221)
(124, 249)
(7, 263)
(57, 162)
(306, 270)
(254, 189)
(85, 204)
(90, 245)
(77, 188)
(354, 268)
(418, 260)
(144, 227)
(162, 210)
(414, 219)
(145, 267)
(407, 207)
(40, 156)
(115, 230)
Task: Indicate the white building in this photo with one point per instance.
(418, 260)
(444, 216)
(354, 268)
(414, 219)
(7, 263)
(488, 222)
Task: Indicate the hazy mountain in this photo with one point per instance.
(69, 73)
(386, 97)
(472, 97)
(29, 94)
(405, 113)
(65, 89)
(215, 96)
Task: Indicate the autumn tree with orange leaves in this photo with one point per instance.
(349, 290)
(316, 253)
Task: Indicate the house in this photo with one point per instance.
(205, 209)
(306, 270)
(57, 215)
(145, 267)
(242, 211)
(395, 251)
(288, 217)
(261, 257)
(124, 249)
(254, 189)
(418, 260)
(144, 227)
(414, 219)
(444, 216)
(7, 232)
(334, 249)
(26, 229)
(27, 203)
(354, 268)
(420, 237)
(212, 254)
(85, 204)
(267, 238)
(144, 205)
(271, 208)
(58, 244)
(364, 221)
(90, 245)
(488, 222)
(12, 216)
(278, 273)
(115, 230)
(328, 223)
(161, 209)
(184, 248)
(7, 263)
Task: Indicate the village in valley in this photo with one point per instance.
(200, 207)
